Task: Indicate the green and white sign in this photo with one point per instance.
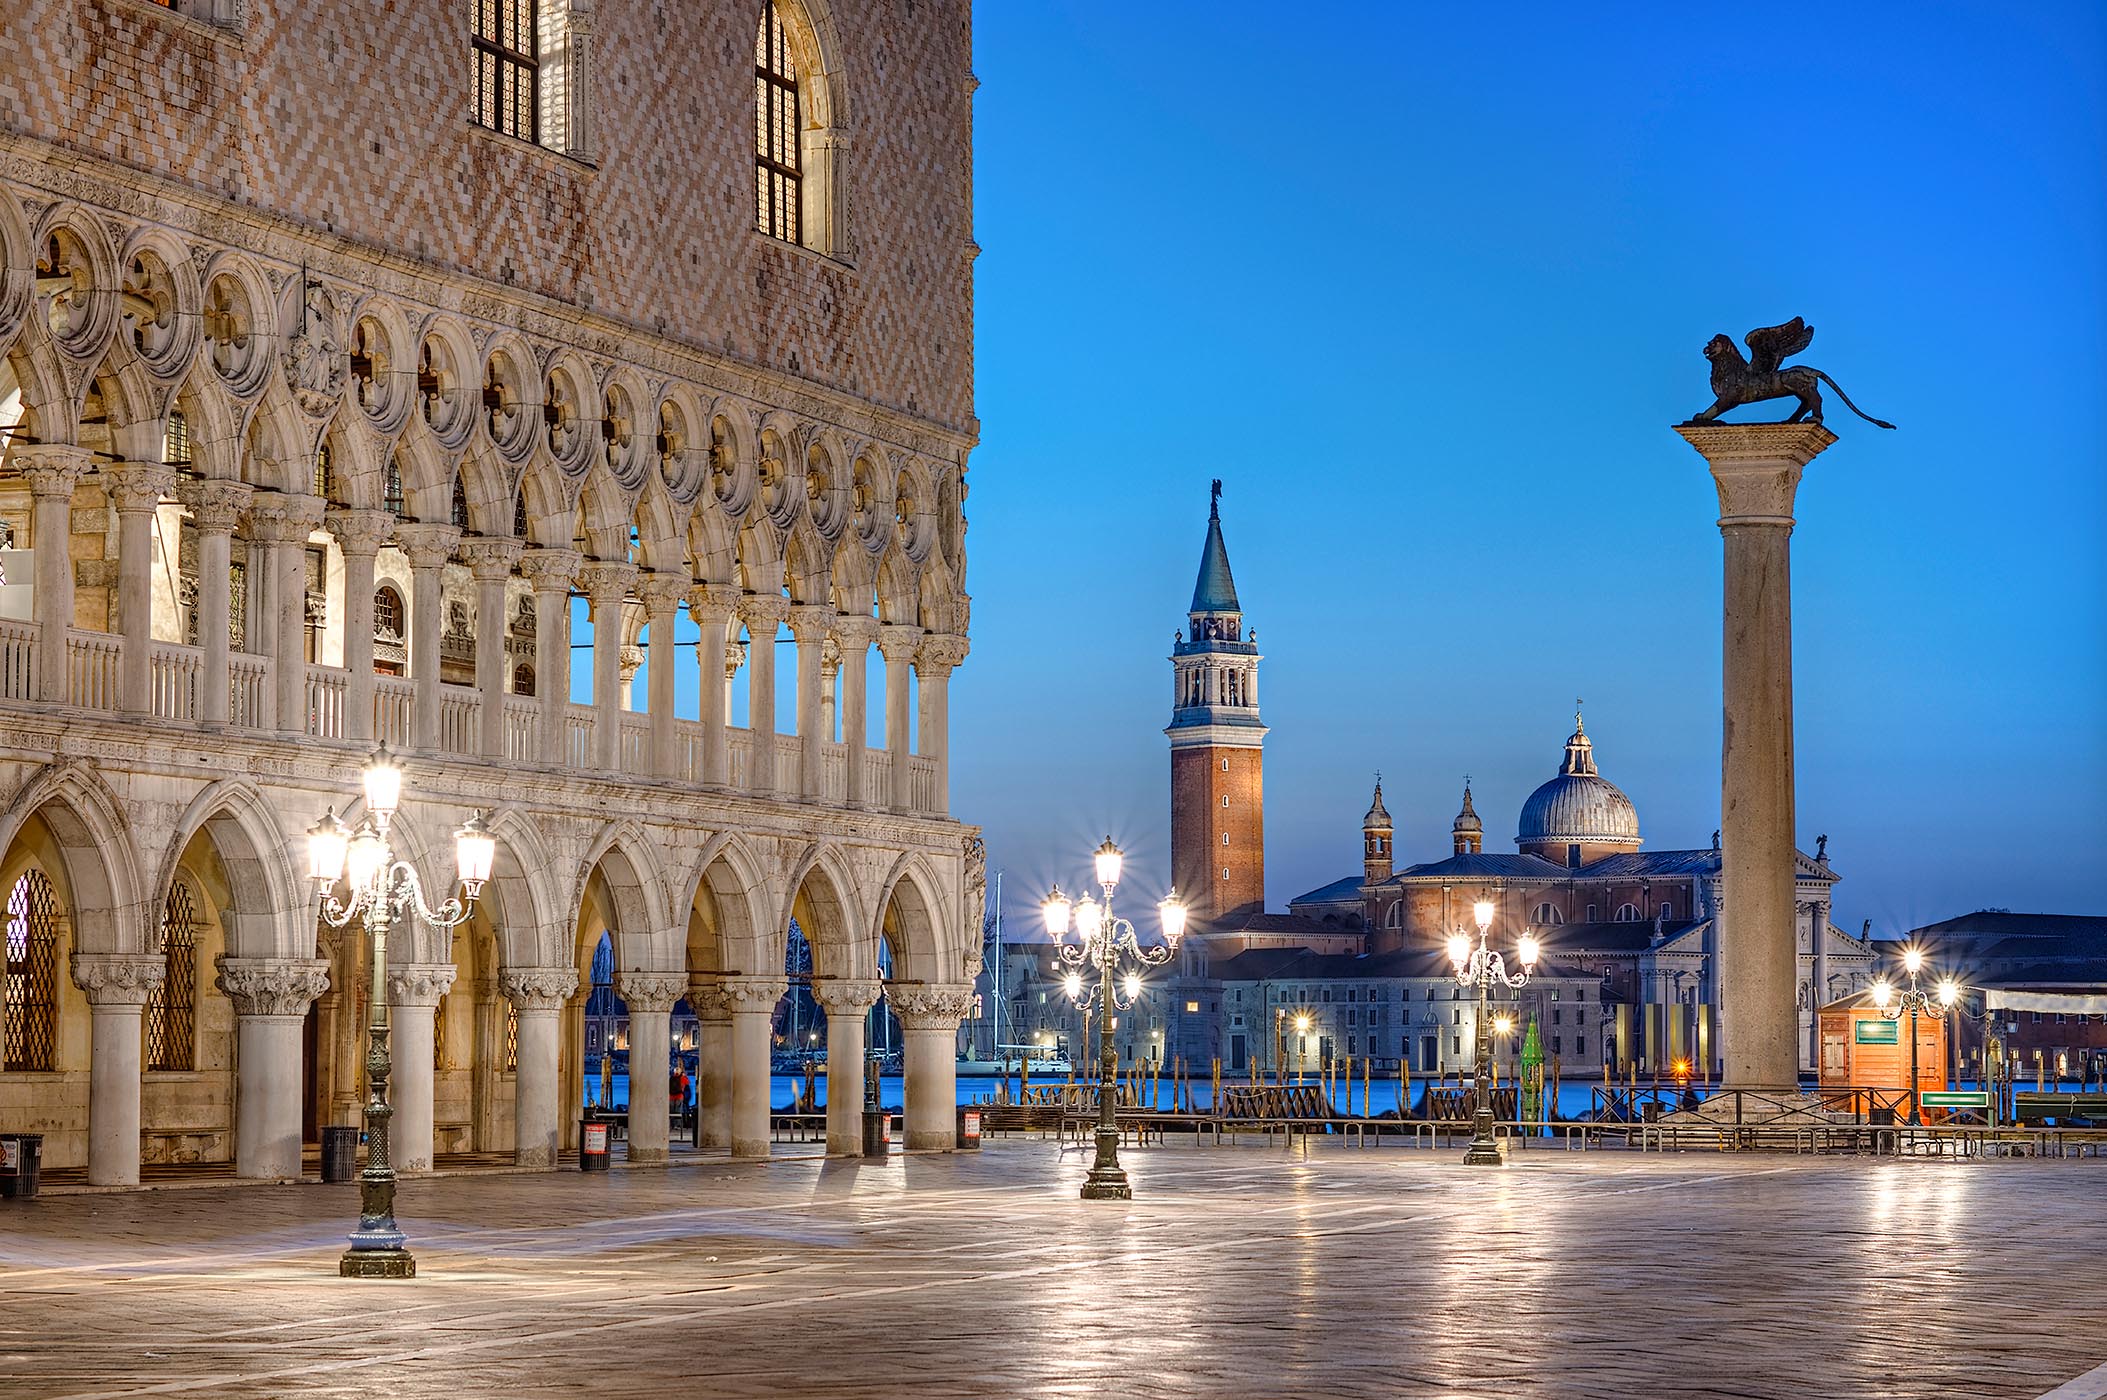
(1877, 1032)
(1955, 1098)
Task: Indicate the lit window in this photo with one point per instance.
(777, 131)
(1192, 1006)
(508, 67)
(31, 986)
(171, 1013)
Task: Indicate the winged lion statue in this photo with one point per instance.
(1763, 375)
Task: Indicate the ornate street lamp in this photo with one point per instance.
(1484, 967)
(1913, 999)
(384, 890)
(1105, 942)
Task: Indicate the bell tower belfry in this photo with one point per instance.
(1218, 828)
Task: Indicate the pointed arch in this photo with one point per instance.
(823, 896)
(727, 914)
(625, 858)
(271, 910)
(101, 865)
(910, 915)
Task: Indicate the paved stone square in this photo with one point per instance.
(1247, 1272)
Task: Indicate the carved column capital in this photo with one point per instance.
(606, 582)
(50, 468)
(931, 1008)
(119, 979)
(538, 988)
(753, 993)
(900, 640)
(137, 486)
(708, 1001)
(272, 986)
(650, 991)
(490, 560)
(280, 517)
(419, 984)
(810, 622)
(550, 570)
(846, 996)
(939, 654)
(360, 532)
(855, 635)
(662, 593)
(712, 602)
(429, 546)
(1756, 466)
(763, 613)
(215, 506)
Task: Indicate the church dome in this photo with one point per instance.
(1467, 819)
(1579, 806)
(1378, 818)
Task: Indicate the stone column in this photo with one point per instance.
(829, 687)
(935, 660)
(429, 547)
(898, 643)
(847, 1004)
(854, 635)
(752, 1004)
(283, 522)
(1818, 992)
(550, 571)
(135, 490)
(663, 594)
(650, 997)
(713, 1063)
(414, 992)
(763, 615)
(118, 987)
(809, 624)
(1756, 467)
(52, 471)
(607, 584)
(711, 604)
(538, 994)
(490, 561)
(359, 534)
(214, 507)
(271, 997)
(929, 1021)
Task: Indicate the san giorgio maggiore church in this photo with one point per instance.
(1628, 977)
(576, 399)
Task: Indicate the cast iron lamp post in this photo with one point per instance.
(384, 890)
(1486, 968)
(1914, 999)
(1105, 942)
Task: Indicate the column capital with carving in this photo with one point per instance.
(283, 517)
(900, 640)
(763, 613)
(753, 993)
(1756, 466)
(119, 979)
(419, 984)
(940, 654)
(215, 506)
(490, 559)
(50, 468)
(712, 602)
(662, 592)
(272, 986)
(429, 545)
(707, 999)
(360, 532)
(850, 996)
(651, 992)
(855, 634)
(931, 1008)
(550, 570)
(538, 988)
(137, 486)
(607, 580)
(810, 622)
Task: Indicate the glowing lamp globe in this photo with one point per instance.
(364, 856)
(475, 852)
(1482, 912)
(326, 843)
(1913, 959)
(1503, 1024)
(383, 783)
(1056, 907)
(1172, 911)
(1109, 858)
(1949, 991)
(1089, 918)
(1132, 986)
(1459, 949)
(1074, 986)
(1529, 948)
(1883, 994)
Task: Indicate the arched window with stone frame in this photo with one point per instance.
(390, 632)
(1548, 915)
(171, 1013)
(391, 497)
(530, 73)
(523, 679)
(1628, 914)
(799, 137)
(29, 1016)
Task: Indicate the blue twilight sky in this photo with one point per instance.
(1426, 286)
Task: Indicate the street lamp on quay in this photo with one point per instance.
(384, 890)
(1913, 999)
(1106, 942)
(1482, 966)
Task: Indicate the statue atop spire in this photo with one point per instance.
(1214, 499)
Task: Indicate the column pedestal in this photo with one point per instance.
(929, 1021)
(271, 997)
(414, 993)
(538, 995)
(1756, 468)
(118, 989)
(650, 997)
(752, 1002)
(847, 1004)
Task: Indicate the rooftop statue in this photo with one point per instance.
(1736, 381)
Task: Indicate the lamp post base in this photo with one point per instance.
(1108, 1179)
(1484, 1150)
(377, 1263)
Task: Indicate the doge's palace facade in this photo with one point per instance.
(361, 366)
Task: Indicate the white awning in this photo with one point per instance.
(2074, 1003)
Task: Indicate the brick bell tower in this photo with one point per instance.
(1218, 823)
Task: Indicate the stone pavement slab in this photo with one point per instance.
(1244, 1272)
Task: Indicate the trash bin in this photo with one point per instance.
(340, 1154)
(592, 1146)
(877, 1132)
(21, 1160)
(969, 1129)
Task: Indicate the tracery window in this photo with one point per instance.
(777, 131)
(508, 67)
(1627, 913)
(1547, 914)
(391, 489)
(31, 1014)
(171, 1016)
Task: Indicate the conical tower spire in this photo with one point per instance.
(1214, 592)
